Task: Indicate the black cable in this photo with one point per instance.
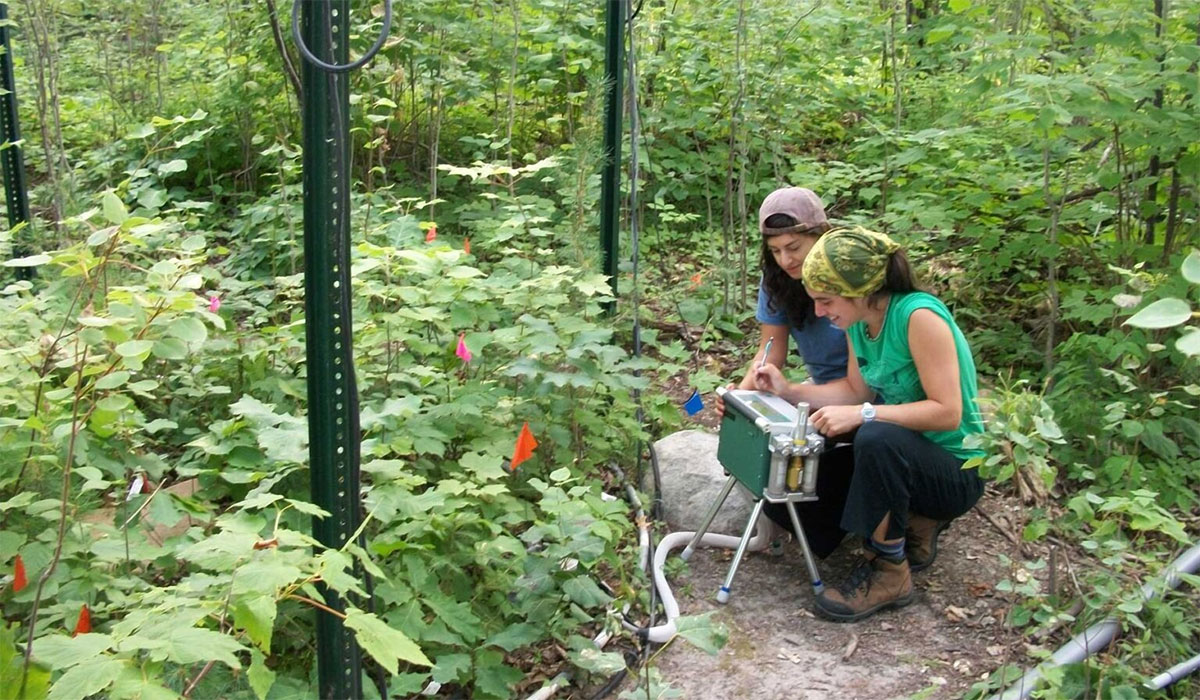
(631, 660)
(343, 67)
(636, 12)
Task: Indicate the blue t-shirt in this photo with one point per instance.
(822, 345)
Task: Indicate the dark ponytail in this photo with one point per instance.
(899, 279)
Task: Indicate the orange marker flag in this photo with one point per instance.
(524, 447)
(467, 246)
(19, 580)
(431, 234)
(84, 624)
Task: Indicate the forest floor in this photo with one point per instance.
(951, 637)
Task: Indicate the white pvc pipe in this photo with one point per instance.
(660, 634)
(1100, 634)
(548, 690)
(1174, 673)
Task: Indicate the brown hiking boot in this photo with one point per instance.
(921, 540)
(875, 584)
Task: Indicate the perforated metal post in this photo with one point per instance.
(12, 156)
(332, 394)
(610, 179)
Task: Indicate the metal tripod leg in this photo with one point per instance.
(818, 587)
(712, 513)
(723, 594)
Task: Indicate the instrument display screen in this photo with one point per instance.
(755, 404)
(761, 407)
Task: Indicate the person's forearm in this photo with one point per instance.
(835, 393)
(921, 415)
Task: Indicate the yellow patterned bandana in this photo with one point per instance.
(848, 262)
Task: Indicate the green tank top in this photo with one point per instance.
(887, 367)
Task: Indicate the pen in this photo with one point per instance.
(767, 349)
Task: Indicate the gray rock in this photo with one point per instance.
(691, 480)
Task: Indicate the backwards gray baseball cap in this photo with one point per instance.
(802, 205)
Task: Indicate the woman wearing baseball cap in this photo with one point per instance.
(906, 350)
(791, 220)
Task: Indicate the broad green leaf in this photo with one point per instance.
(256, 615)
(1191, 267)
(188, 645)
(1163, 313)
(1189, 342)
(593, 660)
(493, 677)
(131, 348)
(28, 261)
(112, 380)
(114, 209)
(266, 574)
(12, 668)
(516, 635)
(702, 631)
(284, 444)
(694, 311)
(451, 668)
(457, 615)
(261, 678)
(86, 679)
(583, 590)
(386, 645)
(133, 684)
(188, 329)
(172, 166)
(170, 349)
(959, 5)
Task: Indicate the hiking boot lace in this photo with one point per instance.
(860, 575)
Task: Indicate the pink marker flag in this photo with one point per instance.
(463, 353)
(214, 303)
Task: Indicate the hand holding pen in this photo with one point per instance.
(750, 376)
(766, 351)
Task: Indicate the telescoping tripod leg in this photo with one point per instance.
(813, 575)
(712, 513)
(723, 594)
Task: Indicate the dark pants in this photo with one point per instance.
(897, 471)
(822, 518)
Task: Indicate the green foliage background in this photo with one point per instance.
(1039, 160)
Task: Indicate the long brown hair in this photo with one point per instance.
(783, 292)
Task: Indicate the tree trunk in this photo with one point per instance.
(289, 68)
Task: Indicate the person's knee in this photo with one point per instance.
(877, 435)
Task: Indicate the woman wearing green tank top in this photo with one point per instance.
(907, 353)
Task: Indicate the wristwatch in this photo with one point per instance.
(868, 412)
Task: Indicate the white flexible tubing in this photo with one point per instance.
(660, 634)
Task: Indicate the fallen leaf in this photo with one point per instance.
(995, 650)
(957, 614)
(980, 589)
(850, 647)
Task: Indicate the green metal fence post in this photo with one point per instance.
(332, 393)
(12, 156)
(610, 182)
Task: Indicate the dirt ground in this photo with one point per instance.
(950, 637)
